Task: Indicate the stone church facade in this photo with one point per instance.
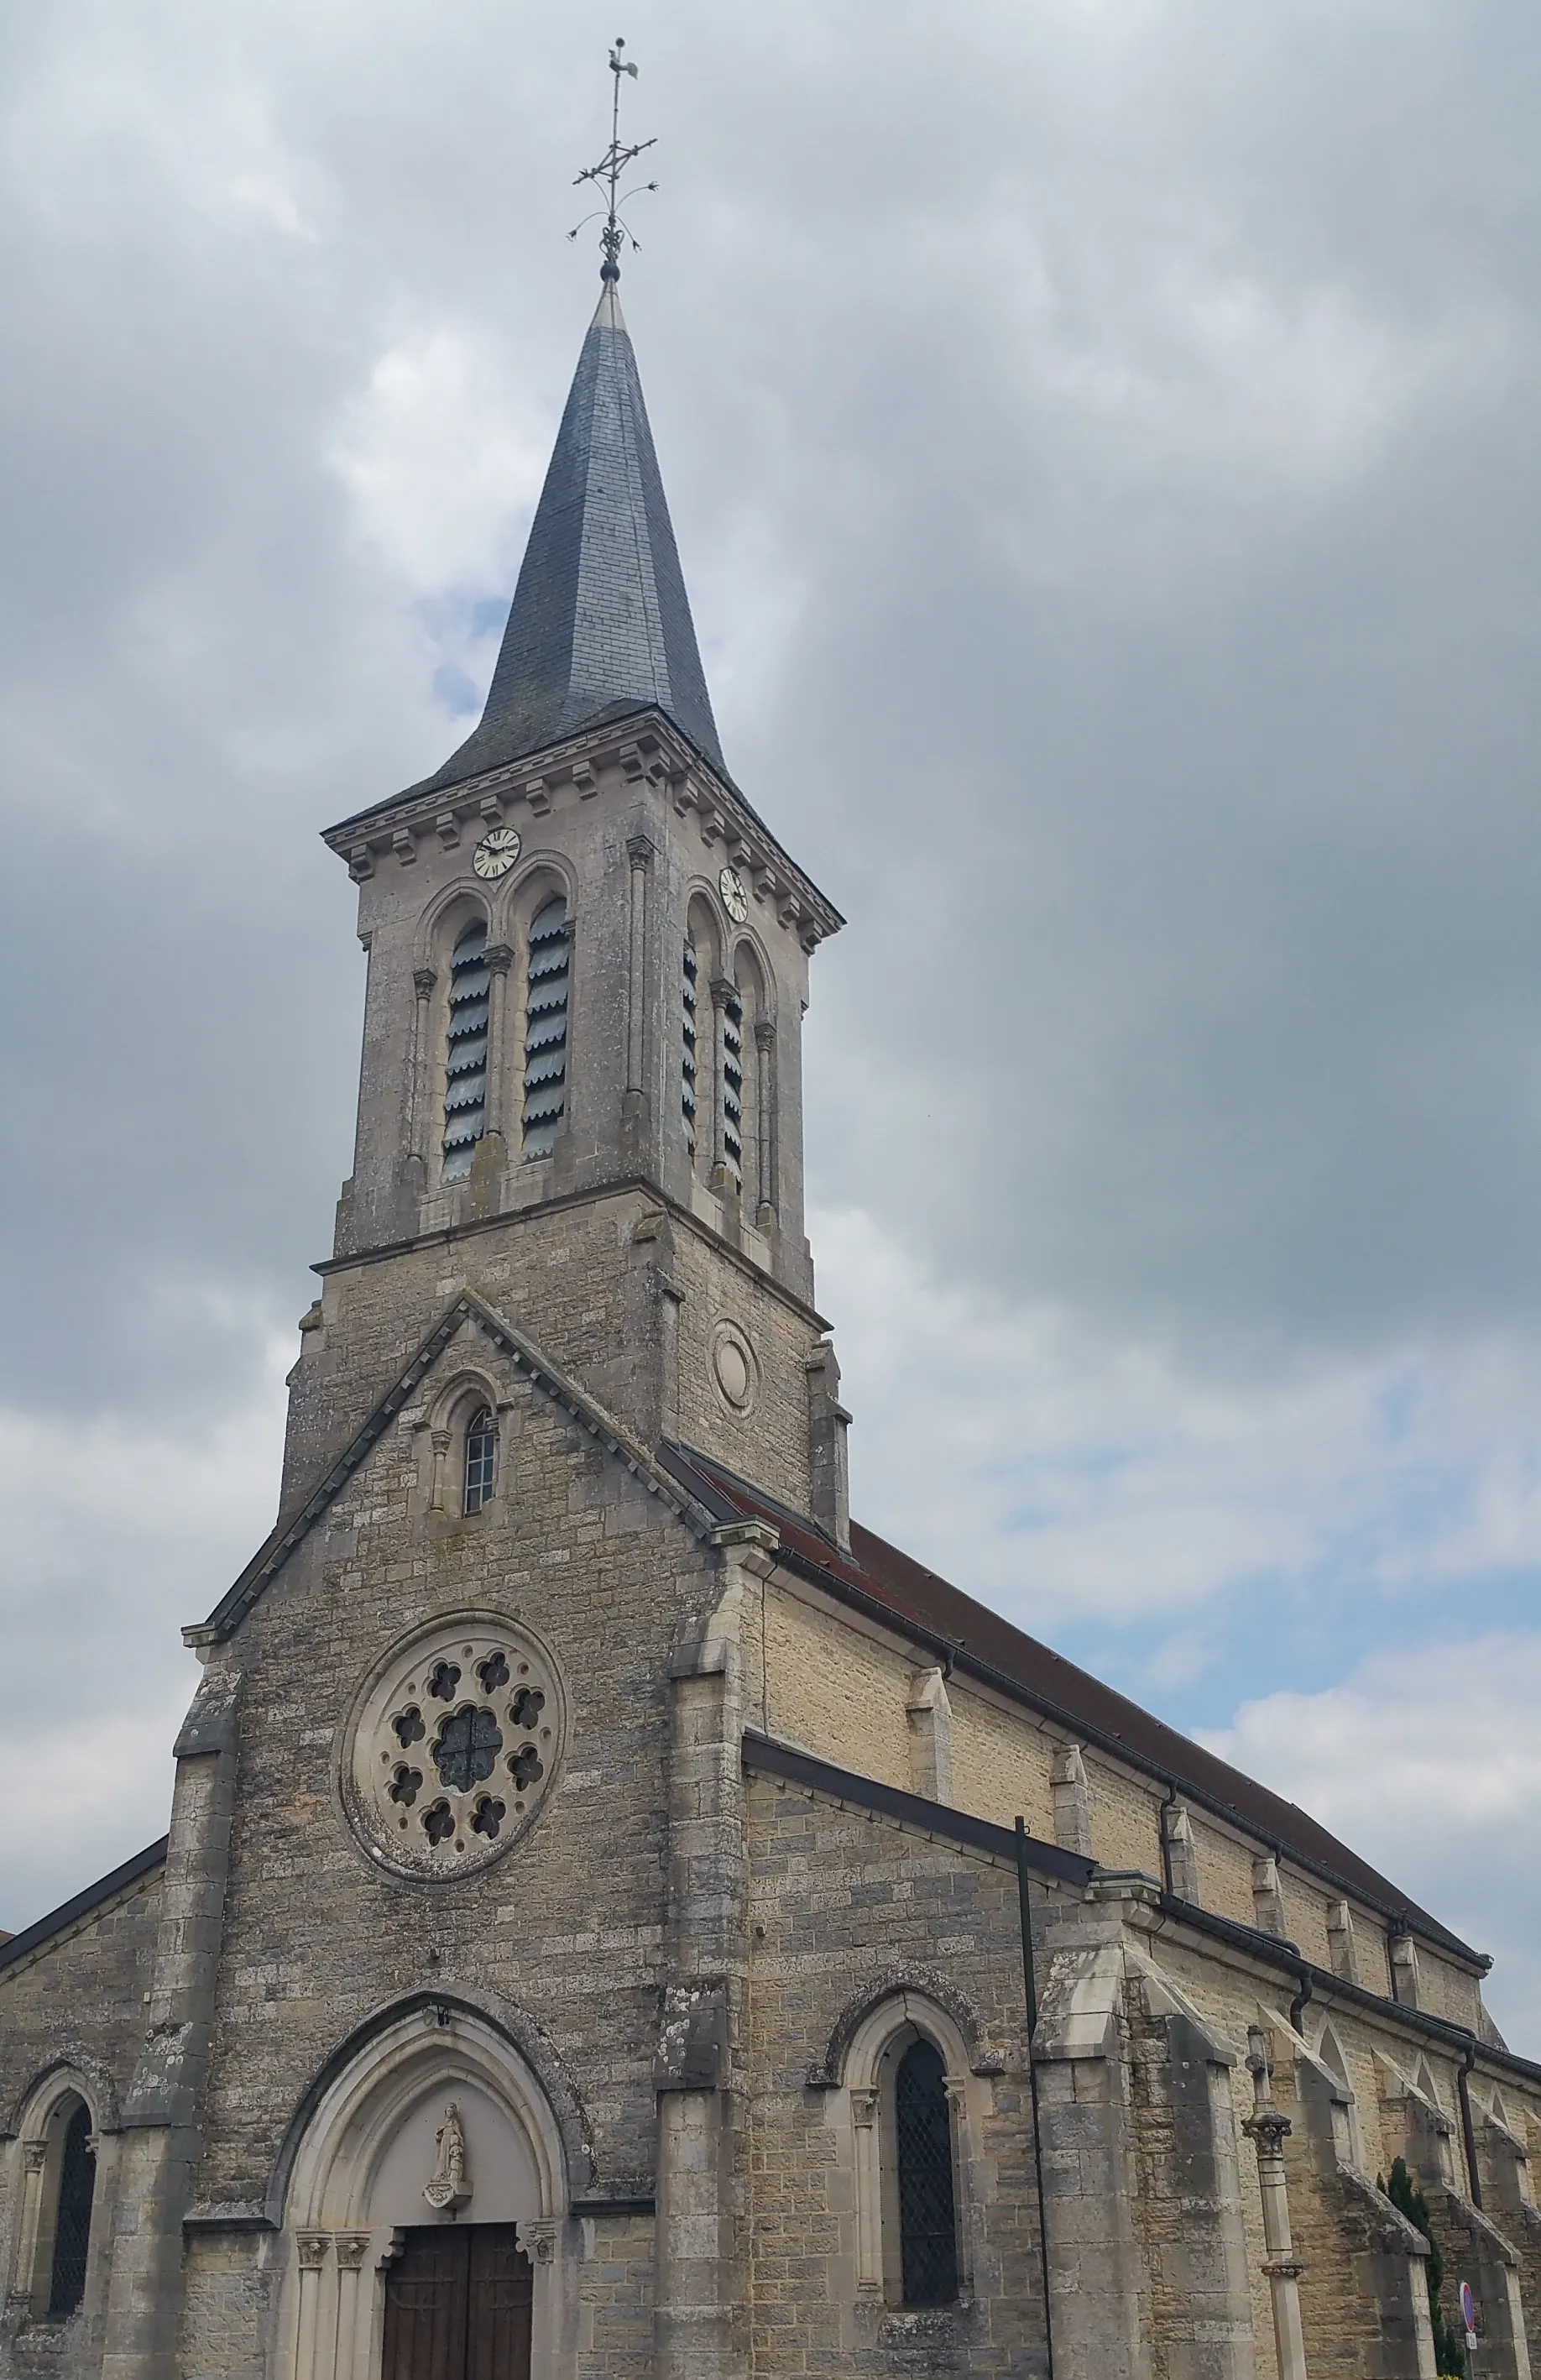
(619, 1917)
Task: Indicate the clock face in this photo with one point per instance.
(736, 901)
(496, 853)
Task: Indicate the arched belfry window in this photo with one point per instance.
(733, 1084)
(481, 1459)
(72, 2214)
(923, 2161)
(551, 944)
(465, 1077)
(689, 1001)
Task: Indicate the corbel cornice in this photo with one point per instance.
(646, 750)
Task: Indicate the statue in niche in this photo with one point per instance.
(450, 2187)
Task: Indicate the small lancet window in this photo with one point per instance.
(923, 2146)
(551, 944)
(733, 1085)
(688, 1051)
(481, 1459)
(72, 2218)
(465, 1081)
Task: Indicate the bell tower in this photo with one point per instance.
(581, 1083)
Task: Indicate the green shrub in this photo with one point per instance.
(1409, 2200)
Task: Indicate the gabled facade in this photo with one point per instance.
(619, 1918)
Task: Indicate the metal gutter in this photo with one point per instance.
(770, 1758)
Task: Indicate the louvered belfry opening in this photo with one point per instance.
(733, 1085)
(72, 2218)
(688, 994)
(466, 1082)
(923, 2143)
(550, 944)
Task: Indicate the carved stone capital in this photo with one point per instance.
(765, 1032)
(497, 958)
(352, 2249)
(34, 2155)
(723, 989)
(641, 850)
(863, 2107)
(312, 2247)
(423, 981)
(541, 2239)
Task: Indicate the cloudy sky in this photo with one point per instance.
(1102, 437)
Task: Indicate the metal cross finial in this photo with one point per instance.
(606, 177)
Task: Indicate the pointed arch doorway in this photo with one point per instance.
(458, 2303)
(416, 2250)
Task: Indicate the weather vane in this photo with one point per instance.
(606, 177)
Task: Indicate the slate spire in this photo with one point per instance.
(601, 622)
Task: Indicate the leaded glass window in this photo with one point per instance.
(466, 1074)
(481, 1460)
(923, 2146)
(551, 945)
(72, 2218)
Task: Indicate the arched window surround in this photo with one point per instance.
(761, 1162)
(454, 917)
(539, 880)
(701, 947)
(60, 2100)
(454, 1410)
(863, 2109)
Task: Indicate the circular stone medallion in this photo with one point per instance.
(733, 1367)
(452, 1745)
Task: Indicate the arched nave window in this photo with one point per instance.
(905, 2070)
(72, 2213)
(52, 2233)
(923, 2177)
(466, 1063)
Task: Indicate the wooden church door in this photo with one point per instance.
(457, 2305)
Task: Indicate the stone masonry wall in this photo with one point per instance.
(587, 1289)
(839, 1901)
(566, 1931)
(78, 1999)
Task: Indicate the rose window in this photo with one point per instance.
(453, 1747)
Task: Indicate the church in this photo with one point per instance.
(619, 1918)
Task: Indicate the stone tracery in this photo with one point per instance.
(488, 1762)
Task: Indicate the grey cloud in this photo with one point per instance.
(1101, 447)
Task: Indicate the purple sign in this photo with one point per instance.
(1468, 2306)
